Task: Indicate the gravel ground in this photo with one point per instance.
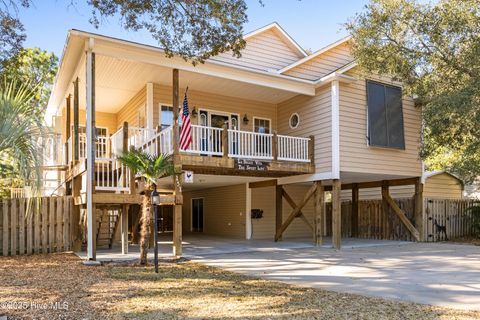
(59, 286)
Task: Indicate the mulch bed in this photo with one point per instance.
(59, 286)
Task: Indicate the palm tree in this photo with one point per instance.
(150, 168)
(21, 126)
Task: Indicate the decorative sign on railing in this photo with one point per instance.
(251, 165)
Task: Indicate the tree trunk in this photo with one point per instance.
(145, 226)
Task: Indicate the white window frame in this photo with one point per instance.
(160, 104)
(290, 120)
(262, 118)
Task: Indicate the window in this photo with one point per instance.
(261, 125)
(385, 116)
(101, 132)
(294, 120)
(166, 116)
(101, 136)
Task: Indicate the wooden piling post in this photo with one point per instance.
(354, 220)
(76, 119)
(419, 220)
(275, 146)
(336, 214)
(225, 141)
(278, 209)
(177, 208)
(319, 206)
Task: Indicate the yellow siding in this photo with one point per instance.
(315, 119)
(264, 51)
(323, 64)
(214, 102)
(129, 112)
(223, 210)
(264, 198)
(376, 193)
(356, 155)
(443, 186)
(102, 119)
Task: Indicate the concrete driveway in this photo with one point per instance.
(430, 273)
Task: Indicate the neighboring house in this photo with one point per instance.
(302, 123)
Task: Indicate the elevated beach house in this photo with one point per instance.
(276, 134)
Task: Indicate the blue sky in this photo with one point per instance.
(312, 23)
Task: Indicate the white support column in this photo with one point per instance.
(149, 115)
(335, 129)
(90, 127)
(248, 215)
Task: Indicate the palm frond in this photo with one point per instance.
(148, 166)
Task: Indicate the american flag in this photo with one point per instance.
(186, 131)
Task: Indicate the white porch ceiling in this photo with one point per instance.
(118, 80)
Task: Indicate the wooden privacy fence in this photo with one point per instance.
(46, 228)
(373, 223)
(447, 219)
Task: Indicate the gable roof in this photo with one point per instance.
(282, 33)
(429, 174)
(315, 54)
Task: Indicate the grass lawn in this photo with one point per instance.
(180, 290)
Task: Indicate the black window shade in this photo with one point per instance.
(385, 116)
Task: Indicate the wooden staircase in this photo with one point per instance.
(108, 219)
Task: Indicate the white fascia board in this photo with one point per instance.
(315, 54)
(334, 77)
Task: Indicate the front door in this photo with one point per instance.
(217, 121)
(197, 215)
(165, 223)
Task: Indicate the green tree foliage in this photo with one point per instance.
(34, 67)
(149, 168)
(20, 130)
(12, 32)
(434, 49)
(194, 30)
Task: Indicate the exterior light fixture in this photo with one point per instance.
(245, 119)
(194, 112)
(155, 198)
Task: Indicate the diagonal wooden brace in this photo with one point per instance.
(300, 214)
(399, 212)
(295, 211)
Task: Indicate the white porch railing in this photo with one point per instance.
(138, 137)
(205, 141)
(293, 148)
(251, 145)
(111, 175)
(116, 142)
